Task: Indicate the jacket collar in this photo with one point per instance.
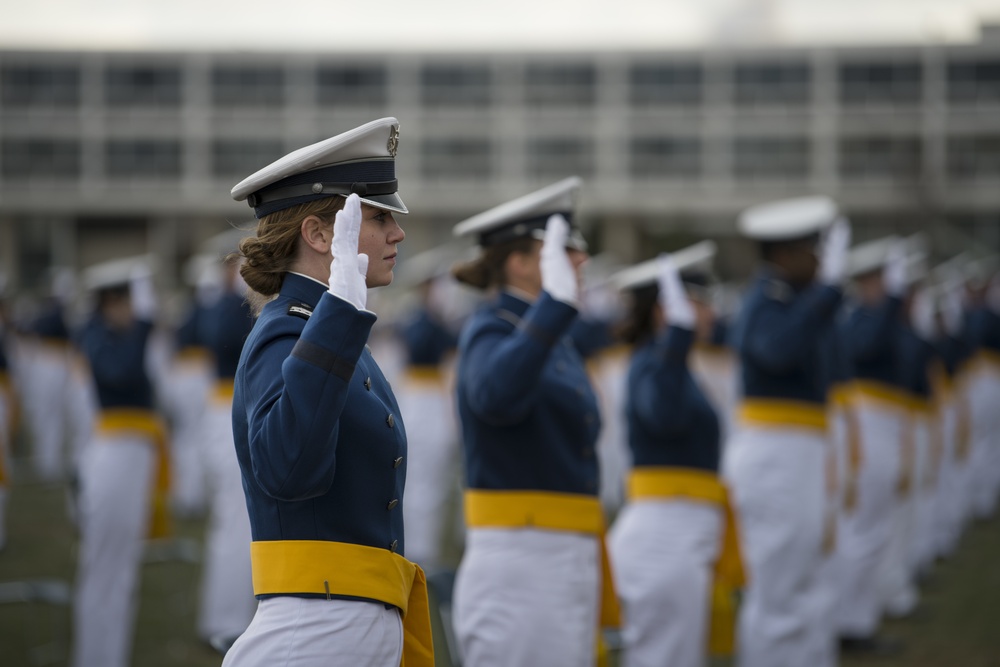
(302, 288)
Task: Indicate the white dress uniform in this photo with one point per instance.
(49, 371)
(425, 402)
(530, 585)
(666, 543)
(227, 601)
(984, 396)
(877, 408)
(775, 462)
(320, 444)
(118, 472)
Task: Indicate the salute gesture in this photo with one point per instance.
(673, 298)
(348, 267)
(558, 276)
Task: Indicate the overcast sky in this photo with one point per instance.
(449, 25)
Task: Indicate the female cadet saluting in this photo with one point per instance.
(316, 426)
(677, 526)
(529, 586)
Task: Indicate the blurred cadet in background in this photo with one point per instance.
(48, 358)
(227, 599)
(876, 415)
(529, 588)
(677, 539)
(594, 334)
(187, 384)
(426, 405)
(319, 439)
(984, 383)
(775, 461)
(123, 471)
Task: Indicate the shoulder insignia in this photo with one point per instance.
(778, 290)
(300, 310)
(508, 316)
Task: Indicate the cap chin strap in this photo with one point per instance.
(361, 189)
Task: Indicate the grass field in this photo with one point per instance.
(957, 625)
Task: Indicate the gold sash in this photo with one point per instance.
(780, 412)
(338, 568)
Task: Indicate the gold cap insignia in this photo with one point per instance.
(393, 143)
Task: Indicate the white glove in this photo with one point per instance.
(922, 315)
(673, 298)
(348, 267)
(558, 276)
(142, 295)
(833, 257)
(894, 273)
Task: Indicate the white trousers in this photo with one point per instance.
(308, 632)
(613, 454)
(984, 397)
(47, 410)
(527, 597)
(946, 516)
(431, 473)
(898, 592)
(662, 555)
(189, 385)
(227, 600)
(776, 476)
(865, 533)
(924, 550)
(116, 475)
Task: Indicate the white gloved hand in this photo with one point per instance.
(673, 298)
(558, 276)
(833, 255)
(142, 295)
(922, 315)
(894, 273)
(348, 267)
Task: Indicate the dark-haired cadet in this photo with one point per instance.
(775, 462)
(677, 534)
(121, 466)
(529, 589)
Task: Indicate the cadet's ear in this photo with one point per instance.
(317, 234)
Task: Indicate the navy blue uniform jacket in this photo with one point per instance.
(784, 339)
(670, 422)
(318, 435)
(529, 415)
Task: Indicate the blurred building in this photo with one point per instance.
(103, 154)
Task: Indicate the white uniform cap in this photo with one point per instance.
(359, 161)
(869, 256)
(788, 219)
(526, 216)
(117, 272)
(693, 259)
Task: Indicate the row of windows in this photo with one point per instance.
(783, 83)
(649, 158)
